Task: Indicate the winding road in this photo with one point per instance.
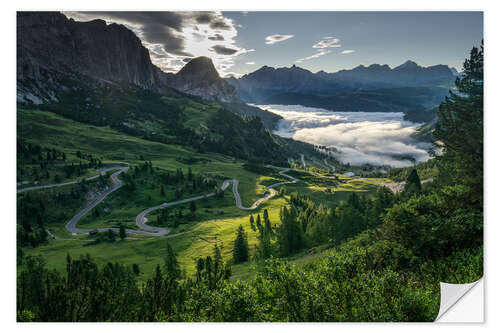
(328, 165)
(100, 172)
(302, 159)
(141, 218)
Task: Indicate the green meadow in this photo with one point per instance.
(215, 220)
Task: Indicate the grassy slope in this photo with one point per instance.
(53, 131)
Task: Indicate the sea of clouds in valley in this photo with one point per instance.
(377, 138)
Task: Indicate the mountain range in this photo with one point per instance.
(84, 70)
(266, 82)
(102, 75)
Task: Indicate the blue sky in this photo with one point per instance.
(375, 37)
(241, 42)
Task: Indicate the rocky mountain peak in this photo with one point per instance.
(201, 67)
(199, 77)
(408, 64)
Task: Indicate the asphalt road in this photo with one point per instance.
(141, 218)
(302, 159)
(100, 172)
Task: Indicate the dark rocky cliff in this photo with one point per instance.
(51, 47)
(49, 42)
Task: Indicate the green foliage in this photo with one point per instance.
(240, 251)
(122, 233)
(171, 264)
(289, 234)
(413, 185)
(459, 130)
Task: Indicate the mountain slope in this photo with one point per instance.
(102, 75)
(403, 99)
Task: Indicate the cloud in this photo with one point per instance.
(378, 138)
(217, 37)
(273, 39)
(204, 18)
(220, 49)
(172, 37)
(316, 55)
(220, 24)
(347, 51)
(250, 63)
(327, 42)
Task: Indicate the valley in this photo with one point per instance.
(251, 193)
(155, 185)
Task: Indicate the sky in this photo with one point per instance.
(242, 42)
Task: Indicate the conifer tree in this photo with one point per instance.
(123, 232)
(240, 251)
(413, 184)
(171, 264)
(252, 223)
(259, 224)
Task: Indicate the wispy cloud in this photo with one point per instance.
(322, 45)
(273, 39)
(347, 51)
(316, 55)
(250, 63)
(327, 42)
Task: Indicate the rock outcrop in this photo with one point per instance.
(200, 78)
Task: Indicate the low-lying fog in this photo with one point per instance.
(377, 138)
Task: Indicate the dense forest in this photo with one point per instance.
(383, 259)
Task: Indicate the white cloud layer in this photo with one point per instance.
(273, 39)
(377, 138)
(347, 51)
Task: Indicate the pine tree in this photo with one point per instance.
(268, 230)
(240, 251)
(259, 225)
(290, 237)
(192, 207)
(252, 223)
(123, 233)
(162, 191)
(171, 264)
(413, 184)
(459, 130)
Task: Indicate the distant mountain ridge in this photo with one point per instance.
(267, 81)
